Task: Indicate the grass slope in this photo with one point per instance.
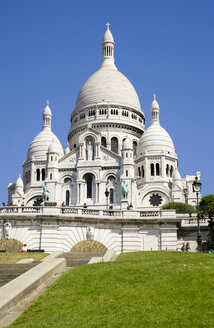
(11, 258)
(143, 289)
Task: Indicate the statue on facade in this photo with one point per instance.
(90, 233)
(124, 190)
(90, 151)
(45, 194)
(7, 230)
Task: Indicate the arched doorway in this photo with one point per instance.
(89, 192)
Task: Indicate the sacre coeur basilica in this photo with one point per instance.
(111, 180)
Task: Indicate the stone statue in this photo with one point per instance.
(90, 233)
(7, 230)
(45, 194)
(124, 190)
(90, 151)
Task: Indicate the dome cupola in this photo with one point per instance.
(108, 47)
(154, 109)
(107, 85)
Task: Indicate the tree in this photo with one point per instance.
(180, 207)
(206, 208)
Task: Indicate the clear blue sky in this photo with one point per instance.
(48, 49)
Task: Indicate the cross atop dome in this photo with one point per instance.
(108, 24)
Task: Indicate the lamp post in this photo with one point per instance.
(107, 194)
(197, 188)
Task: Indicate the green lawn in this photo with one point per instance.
(143, 289)
(13, 257)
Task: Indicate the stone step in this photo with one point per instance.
(74, 259)
(9, 272)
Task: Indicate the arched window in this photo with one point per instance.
(171, 171)
(43, 174)
(167, 169)
(152, 169)
(89, 180)
(157, 169)
(111, 196)
(135, 148)
(114, 145)
(67, 180)
(38, 175)
(103, 142)
(67, 197)
(139, 171)
(142, 169)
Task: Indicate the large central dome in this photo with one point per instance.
(108, 84)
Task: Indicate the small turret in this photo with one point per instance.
(154, 111)
(47, 117)
(67, 150)
(108, 47)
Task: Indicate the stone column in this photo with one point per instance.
(146, 170)
(163, 167)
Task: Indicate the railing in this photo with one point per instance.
(90, 211)
(191, 221)
(149, 213)
(112, 213)
(69, 210)
(32, 209)
(9, 209)
(72, 212)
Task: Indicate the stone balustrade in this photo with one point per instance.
(99, 213)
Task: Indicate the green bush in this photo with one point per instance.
(180, 207)
(206, 208)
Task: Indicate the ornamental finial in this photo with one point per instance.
(47, 102)
(154, 97)
(108, 24)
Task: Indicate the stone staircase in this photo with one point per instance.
(9, 272)
(78, 258)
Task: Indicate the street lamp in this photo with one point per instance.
(197, 188)
(107, 194)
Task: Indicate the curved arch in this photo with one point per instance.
(88, 135)
(145, 201)
(92, 172)
(64, 176)
(108, 173)
(33, 199)
(88, 246)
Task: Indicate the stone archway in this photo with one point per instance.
(89, 246)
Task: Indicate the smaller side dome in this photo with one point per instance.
(19, 182)
(127, 144)
(53, 148)
(155, 138)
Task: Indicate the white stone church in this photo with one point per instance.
(108, 144)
